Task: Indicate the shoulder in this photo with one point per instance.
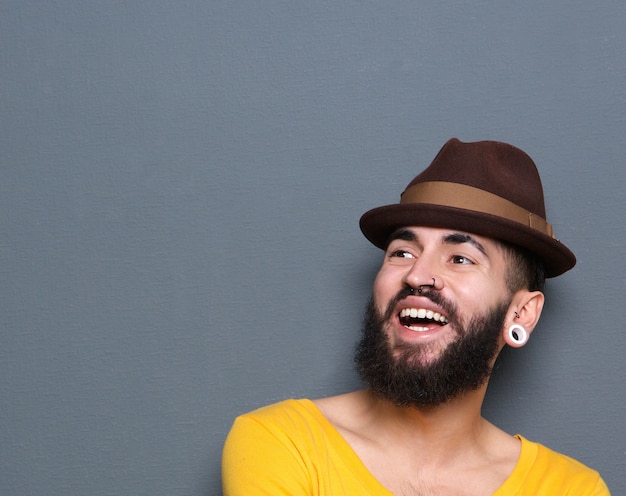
(547, 457)
(304, 420)
(289, 448)
(276, 427)
(266, 450)
(543, 466)
(346, 411)
(288, 414)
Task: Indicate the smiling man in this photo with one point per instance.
(467, 251)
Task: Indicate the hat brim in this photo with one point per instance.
(379, 223)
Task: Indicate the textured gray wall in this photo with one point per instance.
(181, 184)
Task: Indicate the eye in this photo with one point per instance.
(462, 260)
(400, 254)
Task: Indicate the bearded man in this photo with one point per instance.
(467, 251)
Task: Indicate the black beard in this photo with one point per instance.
(465, 365)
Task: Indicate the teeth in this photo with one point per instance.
(422, 313)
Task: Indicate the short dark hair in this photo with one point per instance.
(525, 270)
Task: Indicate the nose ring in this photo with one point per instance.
(419, 288)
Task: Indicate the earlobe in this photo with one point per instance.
(526, 308)
(517, 336)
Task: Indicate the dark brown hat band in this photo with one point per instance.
(456, 195)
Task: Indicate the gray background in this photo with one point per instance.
(181, 185)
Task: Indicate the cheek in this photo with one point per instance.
(479, 292)
(384, 288)
(470, 299)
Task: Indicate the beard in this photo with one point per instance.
(401, 376)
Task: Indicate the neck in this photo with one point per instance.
(439, 430)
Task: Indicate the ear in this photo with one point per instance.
(525, 310)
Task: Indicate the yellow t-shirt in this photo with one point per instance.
(290, 448)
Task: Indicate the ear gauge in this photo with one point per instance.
(517, 336)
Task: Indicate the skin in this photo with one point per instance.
(451, 448)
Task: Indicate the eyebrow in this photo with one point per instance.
(455, 238)
(461, 238)
(402, 234)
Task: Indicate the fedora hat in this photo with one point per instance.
(488, 188)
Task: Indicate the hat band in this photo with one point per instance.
(466, 197)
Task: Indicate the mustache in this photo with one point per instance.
(431, 294)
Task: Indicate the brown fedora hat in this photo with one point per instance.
(487, 188)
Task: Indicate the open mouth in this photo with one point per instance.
(421, 319)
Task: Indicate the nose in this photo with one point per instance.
(421, 274)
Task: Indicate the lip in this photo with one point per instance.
(421, 332)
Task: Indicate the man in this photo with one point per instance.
(467, 250)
